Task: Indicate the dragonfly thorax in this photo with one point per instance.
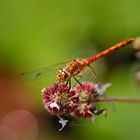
(72, 69)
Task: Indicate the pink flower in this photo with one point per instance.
(84, 111)
(87, 92)
(59, 99)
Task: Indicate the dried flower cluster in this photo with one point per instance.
(59, 99)
(77, 102)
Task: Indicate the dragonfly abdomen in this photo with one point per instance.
(92, 59)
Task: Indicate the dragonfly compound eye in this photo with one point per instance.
(63, 75)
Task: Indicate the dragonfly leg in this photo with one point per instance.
(77, 81)
(69, 81)
(80, 77)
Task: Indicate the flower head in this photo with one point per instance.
(59, 99)
(77, 102)
(88, 92)
(83, 110)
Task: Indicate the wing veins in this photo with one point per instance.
(36, 74)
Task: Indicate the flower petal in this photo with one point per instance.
(106, 85)
(62, 122)
(54, 105)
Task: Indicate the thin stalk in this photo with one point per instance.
(118, 99)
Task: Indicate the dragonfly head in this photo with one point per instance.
(63, 75)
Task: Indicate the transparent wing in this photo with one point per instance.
(39, 73)
(110, 104)
(102, 88)
(105, 95)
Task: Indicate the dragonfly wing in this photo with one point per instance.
(102, 89)
(105, 95)
(33, 75)
(37, 74)
(110, 104)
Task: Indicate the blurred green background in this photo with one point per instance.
(34, 34)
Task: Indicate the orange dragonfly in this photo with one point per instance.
(76, 66)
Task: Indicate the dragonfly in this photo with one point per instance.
(76, 66)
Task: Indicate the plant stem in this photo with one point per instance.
(118, 99)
